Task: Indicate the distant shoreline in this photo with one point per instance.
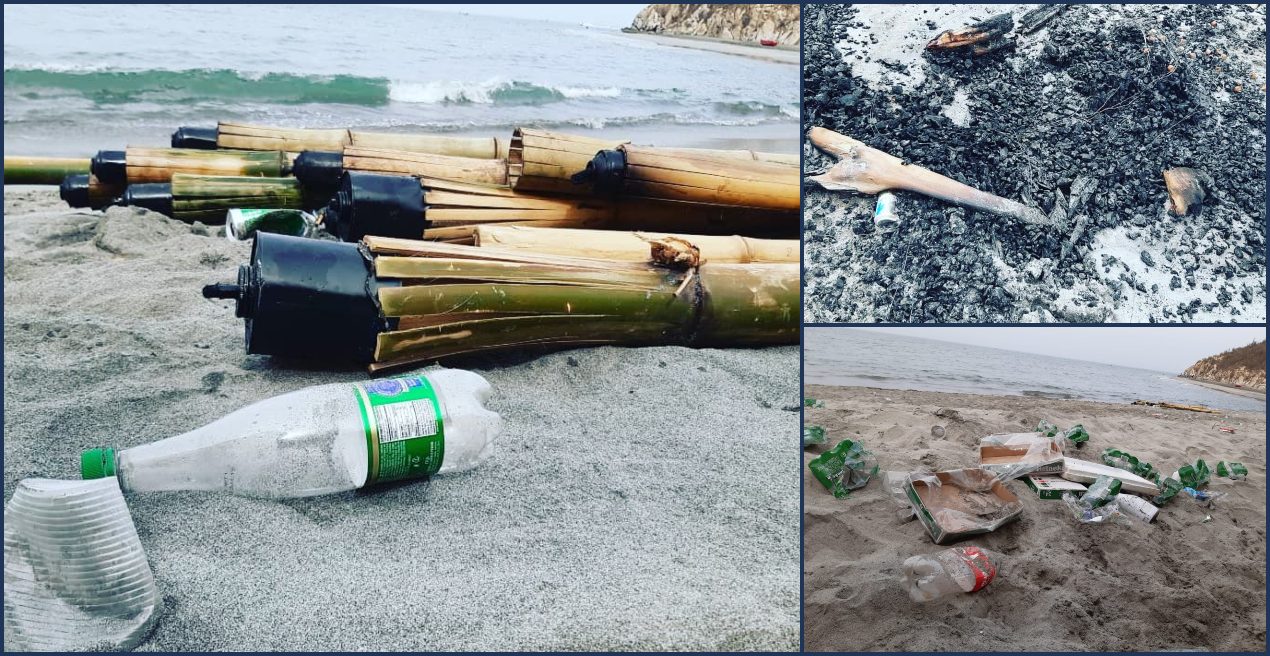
(778, 54)
(1229, 389)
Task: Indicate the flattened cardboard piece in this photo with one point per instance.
(1084, 471)
(1052, 488)
(965, 502)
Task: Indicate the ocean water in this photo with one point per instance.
(84, 77)
(842, 356)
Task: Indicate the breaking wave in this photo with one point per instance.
(185, 87)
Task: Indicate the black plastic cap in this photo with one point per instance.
(156, 196)
(110, 166)
(74, 190)
(606, 171)
(376, 204)
(308, 299)
(197, 138)
(319, 172)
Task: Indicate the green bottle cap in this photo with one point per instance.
(97, 463)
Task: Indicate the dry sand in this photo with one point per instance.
(1061, 586)
(639, 498)
(778, 54)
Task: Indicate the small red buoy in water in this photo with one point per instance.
(767, 42)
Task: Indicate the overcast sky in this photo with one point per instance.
(1159, 348)
(592, 14)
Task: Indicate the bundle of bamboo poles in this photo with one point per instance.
(539, 160)
(401, 192)
(694, 176)
(435, 209)
(256, 137)
(406, 302)
(455, 300)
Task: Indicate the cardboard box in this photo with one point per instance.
(1084, 471)
(1052, 488)
(1000, 458)
(965, 502)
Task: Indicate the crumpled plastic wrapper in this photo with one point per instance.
(845, 467)
(75, 575)
(1027, 453)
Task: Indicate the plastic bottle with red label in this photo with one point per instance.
(952, 571)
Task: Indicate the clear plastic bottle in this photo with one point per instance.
(951, 571)
(320, 440)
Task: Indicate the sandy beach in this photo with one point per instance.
(1229, 389)
(779, 54)
(1180, 583)
(639, 499)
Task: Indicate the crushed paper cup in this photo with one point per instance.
(75, 575)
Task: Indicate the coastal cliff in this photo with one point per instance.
(1244, 367)
(741, 23)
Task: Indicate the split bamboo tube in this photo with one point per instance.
(633, 246)
(695, 177)
(42, 170)
(209, 198)
(755, 155)
(451, 204)
(450, 300)
(255, 137)
(440, 167)
(539, 160)
(139, 165)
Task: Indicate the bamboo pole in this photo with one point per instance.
(422, 164)
(633, 246)
(145, 165)
(254, 137)
(41, 170)
(754, 155)
(209, 198)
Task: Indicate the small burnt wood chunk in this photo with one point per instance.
(979, 39)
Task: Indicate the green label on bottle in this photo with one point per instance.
(405, 435)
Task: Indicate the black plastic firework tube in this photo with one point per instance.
(392, 302)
